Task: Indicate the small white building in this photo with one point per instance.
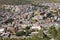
(1, 30)
(36, 26)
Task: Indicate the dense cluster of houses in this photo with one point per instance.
(15, 18)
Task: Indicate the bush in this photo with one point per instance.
(27, 28)
(21, 33)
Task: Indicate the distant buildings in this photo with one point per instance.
(25, 15)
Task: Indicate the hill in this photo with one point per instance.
(15, 2)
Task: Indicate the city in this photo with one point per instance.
(30, 22)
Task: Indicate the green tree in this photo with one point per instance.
(21, 33)
(52, 31)
(27, 30)
(42, 35)
(9, 21)
(58, 32)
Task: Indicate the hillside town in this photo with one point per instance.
(27, 20)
